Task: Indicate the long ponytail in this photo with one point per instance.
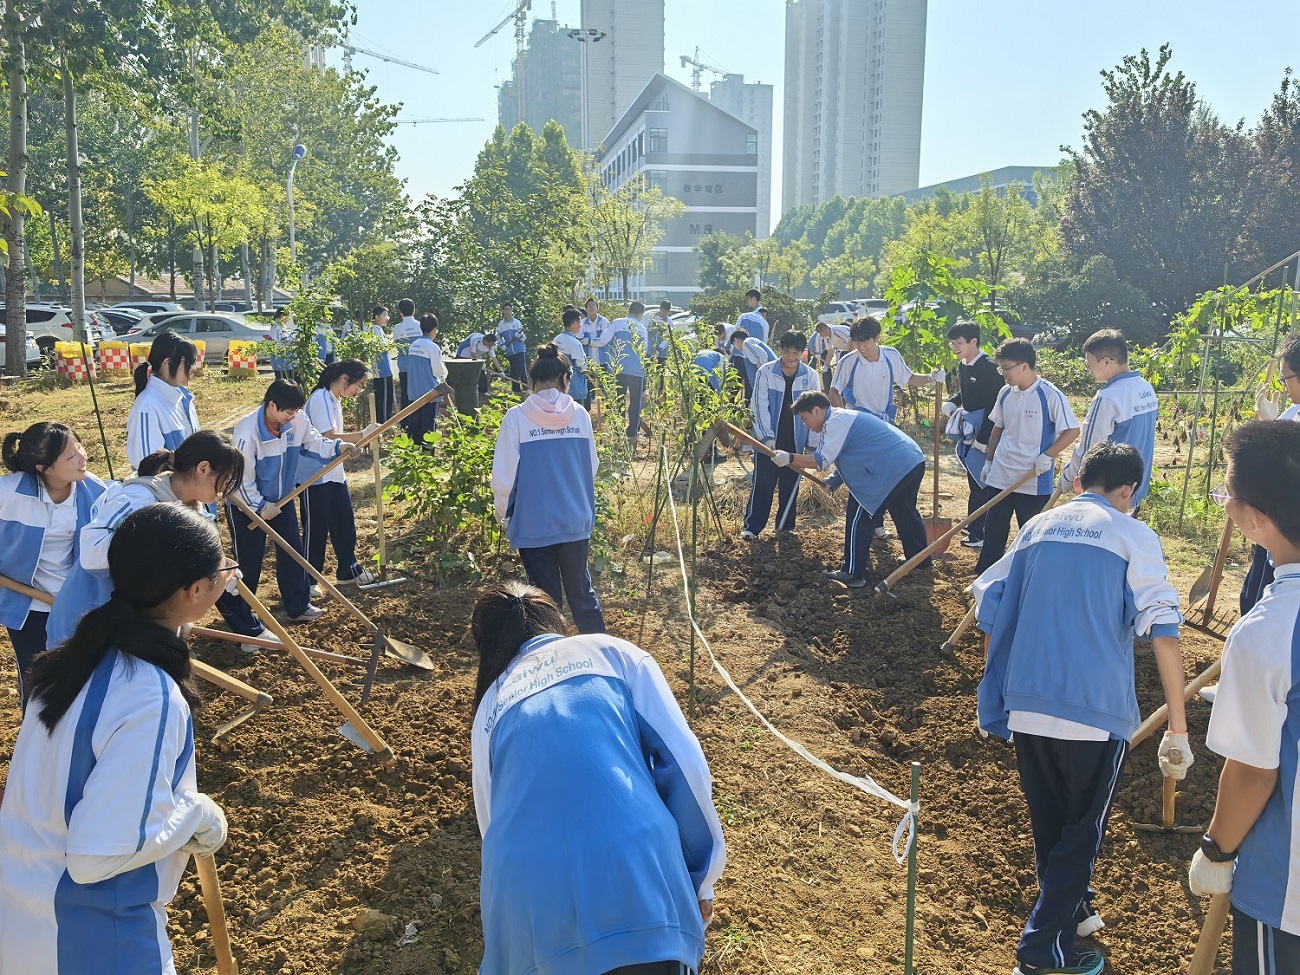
(506, 616)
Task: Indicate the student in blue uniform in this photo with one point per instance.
(513, 344)
(969, 421)
(883, 468)
(711, 367)
(479, 346)
(44, 504)
(750, 319)
(661, 331)
(325, 342)
(427, 372)
(382, 384)
(1124, 409)
(274, 438)
(569, 342)
(102, 809)
(868, 375)
(544, 480)
(626, 353)
(284, 332)
(163, 413)
(776, 386)
(1032, 423)
(205, 469)
(1060, 612)
(826, 345)
(601, 845)
(406, 331)
(327, 514)
(1260, 573)
(1249, 848)
(748, 355)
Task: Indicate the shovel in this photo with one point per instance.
(937, 527)
(1206, 586)
(762, 448)
(1170, 793)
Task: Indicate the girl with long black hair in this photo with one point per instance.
(102, 807)
(44, 504)
(163, 413)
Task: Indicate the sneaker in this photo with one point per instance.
(845, 579)
(316, 592)
(365, 578)
(1088, 963)
(972, 542)
(883, 532)
(1208, 692)
(747, 535)
(1090, 924)
(264, 635)
(308, 615)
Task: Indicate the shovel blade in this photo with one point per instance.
(1201, 587)
(935, 528)
(407, 654)
(351, 734)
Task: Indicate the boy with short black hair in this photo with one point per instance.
(748, 355)
(406, 331)
(1123, 410)
(1032, 423)
(385, 398)
(513, 345)
(427, 372)
(570, 343)
(867, 376)
(969, 423)
(1249, 847)
(750, 320)
(1060, 612)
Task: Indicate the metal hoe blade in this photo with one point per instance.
(405, 652)
(354, 736)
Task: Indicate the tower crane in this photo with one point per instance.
(698, 67)
(520, 16)
(421, 121)
(351, 49)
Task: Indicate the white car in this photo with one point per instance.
(149, 307)
(837, 313)
(48, 324)
(214, 329)
(33, 351)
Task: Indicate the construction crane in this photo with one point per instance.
(520, 16)
(421, 121)
(698, 67)
(351, 49)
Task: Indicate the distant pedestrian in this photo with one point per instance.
(405, 332)
(480, 346)
(626, 355)
(513, 342)
(428, 372)
(750, 319)
(382, 384)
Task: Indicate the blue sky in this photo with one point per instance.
(1006, 81)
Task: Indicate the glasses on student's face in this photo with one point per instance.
(1287, 377)
(233, 567)
(1221, 497)
(1005, 369)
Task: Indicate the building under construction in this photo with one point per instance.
(549, 78)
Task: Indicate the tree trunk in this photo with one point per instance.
(15, 279)
(58, 254)
(218, 291)
(196, 258)
(130, 236)
(74, 205)
(248, 280)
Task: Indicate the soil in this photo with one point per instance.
(333, 854)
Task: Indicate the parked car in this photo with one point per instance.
(875, 307)
(33, 351)
(215, 329)
(148, 307)
(47, 324)
(120, 320)
(837, 313)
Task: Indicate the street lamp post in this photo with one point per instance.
(299, 153)
(588, 36)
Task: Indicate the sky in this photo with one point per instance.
(1006, 81)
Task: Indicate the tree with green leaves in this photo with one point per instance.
(998, 228)
(714, 249)
(626, 224)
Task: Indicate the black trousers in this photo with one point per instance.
(978, 497)
(248, 545)
(1258, 949)
(327, 516)
(654, 968)
(560, 570)
(404, 390)
(769, 479)
(860, 525)
(28, 642)
(1257, 579)
(518, 370)
(384, 398)
(997, 524)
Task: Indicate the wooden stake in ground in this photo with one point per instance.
(210, 887)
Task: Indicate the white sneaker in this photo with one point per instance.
(883, 532)
(366, 578)
(1090, 925)
(747, 535)
(308, 615)
(972, 543)
(264, 635)
(316, 591)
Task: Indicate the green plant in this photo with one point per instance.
(1066, 370)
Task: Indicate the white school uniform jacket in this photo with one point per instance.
(838, 340)
(425, 367)
(753, 323)
(1256, 721)
(94, 816)
(325, 411)
(1031, 420)
(544, 471)
(1061, 609)
(160, 418)
(271, 462)
(571, 346)
(869, 386)
(769, 398)
(1124, 411)
(384, 363)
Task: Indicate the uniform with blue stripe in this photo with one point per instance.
(94, 817)
(753, 323)
(161, 417)
(1124, 411)
(594, 801)
(862, 391)
(571, 346)
(711, 366)
(767, 404)
(755, 353)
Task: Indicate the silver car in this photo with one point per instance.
(215, 329)
(33, 351)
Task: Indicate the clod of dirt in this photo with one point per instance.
(373, 925)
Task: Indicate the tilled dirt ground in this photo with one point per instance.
(332, 854)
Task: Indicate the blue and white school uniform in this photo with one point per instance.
(544, 482)
(270, 472)
(1124, 410)
(426, 372)
(39, 544)
(1031, 420)
(869, 386)
(755, 353)
(284, 333)
(594, 801)
(327, 514)
(404, 333)
(1256, 721)
(161, 417)
(95, 814)
(382, 383)
(588, 331)
(473, 347)
(1061, 610)
(768, 403)
(571, 346)
(625, 353)
(513, 343)
(661, 338)
(711, 367)
(1260, 573)
(753, 323)
(324, 343)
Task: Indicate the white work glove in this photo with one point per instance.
(232, 586)
(184, 632)
(1265, 406)
(949, 408)
(370, 429)
(349, 450)
(269, 511)
(1169, 744)
(770, 444)
(1043, 464)
(210, 835)
(781, 458)
(1065, 484)
(938, 375)
(984, 474)
(1207, 877)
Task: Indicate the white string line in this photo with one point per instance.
(864, 783)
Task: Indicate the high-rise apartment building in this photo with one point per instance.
(551, 86)
(623, 62)
(751, 103)
(854, 78)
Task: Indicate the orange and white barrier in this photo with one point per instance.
(71, 361)
(115, 358)
(203, 348)
(241, 360)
